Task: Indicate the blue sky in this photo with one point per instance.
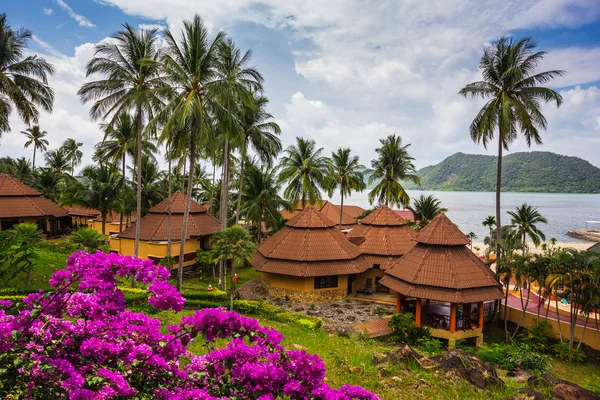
(344, 72)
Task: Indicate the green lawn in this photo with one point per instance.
(197, 284)
(49, 262)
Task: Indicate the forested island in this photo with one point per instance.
(537, 171)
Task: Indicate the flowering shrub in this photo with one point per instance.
(81, 343)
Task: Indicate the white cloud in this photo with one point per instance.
(558, 13)
(148, 27)
(47, 11)
(81, 20)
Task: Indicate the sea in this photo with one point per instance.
(564, 212)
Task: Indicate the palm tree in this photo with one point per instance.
(392, 165)
(57, 161)
(514, 92)
(131, 67)
(36, 138)
(70, 148)
(98, 189)
(21, 169)
(24, 79)
(261, 201)
(346, 174)
(489, 222)
(152, 190)
(524, 220)
(190, 66)
(48, 182)
(88, 238)
(305, 171)
(260, 134)
(233, 245)
(237, 82)
(426, 208)
(120, 141)
(471, 236)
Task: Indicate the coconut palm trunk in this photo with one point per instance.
(212, 188)
(587, 318)
(33, 161)
(186, 214)
(241, 185)
(122, 193)
(138, 212)
(524, 310)
(498, 186)
(341, 206)
(506, 309)
(558, 319)
(170, 189)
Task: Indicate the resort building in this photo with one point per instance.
(112, 224)
(382, 237)
(350, 214)
(20, 203)
(154, 231)
(82, 217)
(445, 285)
(309, 259)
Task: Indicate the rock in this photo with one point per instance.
(313, 312)
(299, 309)
(296, 346)
(520, 375)
(349, 306)
(471, 368)
(547, 379)
(565, 390)
(531, 394)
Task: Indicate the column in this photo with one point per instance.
(480, 306)
(398, 303)
(452, 317)
(418, 313)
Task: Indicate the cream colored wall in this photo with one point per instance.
(591, 338)
(300, 284)
(361, 279)
(126, 247)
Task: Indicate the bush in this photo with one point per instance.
(537, 337)
(261, 308)
(430, 345)
(405, 330)
(62, 246)
(493, 354)
(561, 351)
(514, 355)
(216, 295)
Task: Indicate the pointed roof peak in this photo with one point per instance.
(310, 217)
(10, 186)
(177, 205)
(384, 216)
(442, 231)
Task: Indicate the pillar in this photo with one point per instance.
(480, 306)
(398, 303)
(452, 317)
(418, 313)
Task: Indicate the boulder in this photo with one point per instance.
(531, 394)
(471, 368)
(565, 390)
(521, 376)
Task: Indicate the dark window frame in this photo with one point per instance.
(326, 282)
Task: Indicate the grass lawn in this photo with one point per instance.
(201, 284)
(49, 262)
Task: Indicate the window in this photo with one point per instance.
(376, 266)
(322, 282)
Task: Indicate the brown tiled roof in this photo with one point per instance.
(384, 234)
(442, 231)
(406, 214)
(309, 245)
(330, 210)
(19, 200)
(354, 211)
(78, 211)
(441, 267)
(154, 226)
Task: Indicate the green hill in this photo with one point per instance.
(537, 171)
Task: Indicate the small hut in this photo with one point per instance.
(20, 203)
(308, 260)
(154, 231)
(445, 285)
(382, 237)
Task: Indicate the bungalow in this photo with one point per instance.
(309, 259)
(350, 214)
(154, 232)
(20, 203)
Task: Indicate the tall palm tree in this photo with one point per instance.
(98, 189)
(514, 93)
(48, 183)
(392, 165)
(132, 82)
(490, 223)
(21, 169)
(23, 79)
(237, 81)
(261, 201)
(304, 168)
(152, 191)
(261, 134)
(524, 220)
(190, 67)
(70, 148)
(57, 161)
(120, 141)
(426, 208)
(36, 137)
(346, 174)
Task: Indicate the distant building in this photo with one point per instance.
(20, 203)
(350, 213)
(154, 231)
(595, 248)
(82, 217)
(406, 214)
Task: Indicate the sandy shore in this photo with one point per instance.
(578, 245)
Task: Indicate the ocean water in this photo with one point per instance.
(564, 212)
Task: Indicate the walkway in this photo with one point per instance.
(375, 328)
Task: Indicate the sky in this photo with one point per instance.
(345, 73)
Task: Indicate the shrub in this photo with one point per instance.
(88, 239)
(261, 308)
(514, 355)
(537, 337)
(405, 330)
(216, 295)
(430, 345)
(493, 354)
(561, 351)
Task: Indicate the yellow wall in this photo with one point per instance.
(109, 228)
(591, 336)
(361, 279)
(126, 247)
(300, 284)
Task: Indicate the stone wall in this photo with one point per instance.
(306, 297)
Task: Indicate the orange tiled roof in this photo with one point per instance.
(441, 267)
(383, 237)
(78, 211)
(406, 214)
(309, 245)
(19, 200)
(331, 211)
(154, 226)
